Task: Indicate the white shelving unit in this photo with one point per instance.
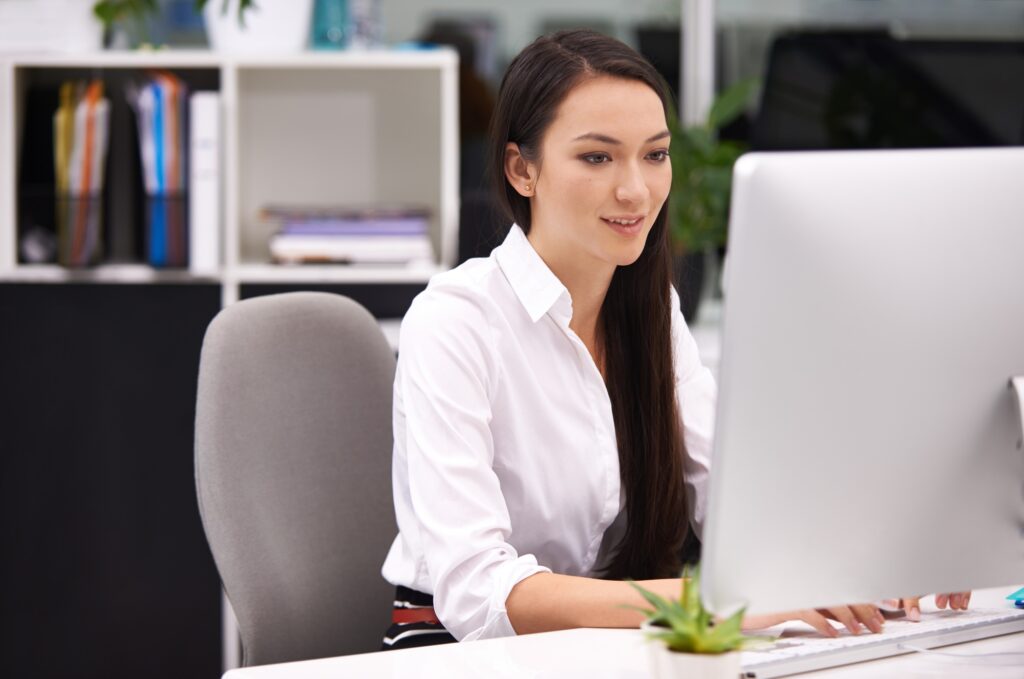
(315, 128)
(319, 128)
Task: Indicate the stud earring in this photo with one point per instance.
(527, 187)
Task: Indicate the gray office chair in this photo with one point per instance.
(293, 472)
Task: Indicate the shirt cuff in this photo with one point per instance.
(496, 623)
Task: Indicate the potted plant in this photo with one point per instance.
(247, 26)
(124, 21)
(701, 182)
(279, 26)
(687, 641)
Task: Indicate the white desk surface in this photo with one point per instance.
(620, 654)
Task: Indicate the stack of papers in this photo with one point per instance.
(378, 235)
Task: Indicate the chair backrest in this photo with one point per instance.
(293, 472)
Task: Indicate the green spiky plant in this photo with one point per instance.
(702, 173)
(685, 626)
(112, 11)
(243, 7)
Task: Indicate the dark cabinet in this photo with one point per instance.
(105, 569)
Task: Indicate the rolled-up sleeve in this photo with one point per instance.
(447, 374)
(696, 393)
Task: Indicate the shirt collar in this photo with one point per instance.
(536, 286)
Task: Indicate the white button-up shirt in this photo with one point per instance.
(505, 458)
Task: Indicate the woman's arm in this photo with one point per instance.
(548, 601)
(452, 503)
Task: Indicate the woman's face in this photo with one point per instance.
(603, 173)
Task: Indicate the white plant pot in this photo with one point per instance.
(666, 664)
(271, 26)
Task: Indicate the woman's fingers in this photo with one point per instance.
(846, 616)
(870, 616)
(853, 617)
(958, 601)
(912, 605)
(818, 622)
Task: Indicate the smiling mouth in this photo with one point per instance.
(626, 226)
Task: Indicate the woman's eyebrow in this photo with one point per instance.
(596, 136)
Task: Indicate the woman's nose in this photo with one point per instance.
(631, 186)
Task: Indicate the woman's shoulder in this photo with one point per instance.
(460, 300)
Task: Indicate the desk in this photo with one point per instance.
(617, 654)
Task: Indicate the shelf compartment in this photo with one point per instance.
(329, 136)
(36, 84)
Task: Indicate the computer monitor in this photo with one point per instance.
(867, 442)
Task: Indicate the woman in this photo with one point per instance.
(552, 417)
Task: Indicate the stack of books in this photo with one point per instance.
(380, 235)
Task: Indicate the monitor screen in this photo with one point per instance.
(867, 440)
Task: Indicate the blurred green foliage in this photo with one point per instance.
(113, 11)
(702, 172)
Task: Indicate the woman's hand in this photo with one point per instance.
(855, 618)
(957, 601)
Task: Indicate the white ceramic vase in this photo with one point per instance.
(666, 664)
(271, 26)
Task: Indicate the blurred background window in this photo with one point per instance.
(877, 74)
(832, 74)
(835, 73)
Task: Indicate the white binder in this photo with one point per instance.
(204, 183)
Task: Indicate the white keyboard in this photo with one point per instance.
(803, 652)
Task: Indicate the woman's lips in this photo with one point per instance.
(627, 226)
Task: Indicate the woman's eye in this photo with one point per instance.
(596, 158)
(658, 156)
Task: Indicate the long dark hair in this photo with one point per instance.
(634, 326)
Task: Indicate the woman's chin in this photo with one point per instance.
(626, 252)
(626, 256)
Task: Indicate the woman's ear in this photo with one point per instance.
(519, 172)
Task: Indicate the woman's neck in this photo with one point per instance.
(587, 282)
